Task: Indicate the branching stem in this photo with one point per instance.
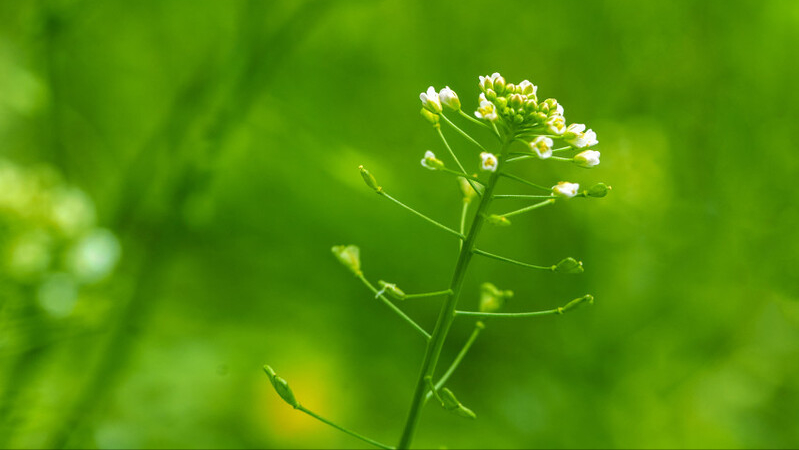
(434, 222)
(339, 427)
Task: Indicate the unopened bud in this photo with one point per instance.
(370, 179)
(282, 387)
(449, 99)
(499, 84)
(350, 256)
(491, 298)
(568, 265)
(469, 192)
(430, 117)
(391, 289)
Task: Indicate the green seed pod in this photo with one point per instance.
(577, 302)
(598, 190)
(452, 404)
(281, 387)
(350, 256)
(497, 220)
(491, 298)
(568, 265)
(369, 179)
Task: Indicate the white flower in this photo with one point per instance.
(588, 158)
(449, 99)
(542, 146)
(486, 111)
(431, 162)
(557, 125)
(559, 110)
(578, 137)
(489, 162)
(566, 189)
(431, 101)
(528, 88)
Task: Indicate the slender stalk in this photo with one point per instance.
(447, 314)
(498, 196)
(451, 153)
(427, 294)
(471, 179)
(530, 208)
(559, 310)
(393, 307)
(526, 155)
(478, 327)
(522, 180)
(472, 119)
(462, 228)
(338, 427)
(477, 251)
(439, 225)
(462, 133)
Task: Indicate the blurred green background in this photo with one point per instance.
(174, 173)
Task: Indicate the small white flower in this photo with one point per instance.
(557, 125)
(542, 146)
(528, 88)
(449, 99)
(431, 162)
(489, 162)
(566, 189)
(588, 158)
(578, 137)
(486, 111)
(430, 100)
(559, 110)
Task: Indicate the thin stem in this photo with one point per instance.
(477, 251)
(560, 158)
(462, 228)
(522, 180)
(452, 153)
(447, 314)
(393, 307)
(463, 133)
(338, 427)
(472, 119)
(427, 294)
(471, 179)
(530, 208)
(527, 155)
(559, 310)
(439, 225)
(478, 327)
(499, 196)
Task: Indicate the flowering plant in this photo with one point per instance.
(514, 115)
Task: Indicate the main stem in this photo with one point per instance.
(447, 314)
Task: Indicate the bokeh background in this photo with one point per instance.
(174, 173)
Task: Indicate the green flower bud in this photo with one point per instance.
(491, 298)
(530, 105)
(516, 101)
(452, 404)
(282, 387)
(449, 99)
(499, 85)
(497, 220)
(598, 190)
(430, 117)
(391, 289)
(510, 88)
(568, 265)
(370, 179)
(350, 256)
(577, 302)
(467, 189)
(502, 103)
(518, 118)
(491, 95)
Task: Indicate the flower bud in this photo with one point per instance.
(499, 83)
(598, 190)
(431, 162)
(587, 159)
(568, 265)
(565, 189)
(490, 95)
(350, 256)
(391, 289)
(449, 99)
(528, 88)
(576, 302)
(452, 404)
(486, 83)
(491, 298)
(431, 101)
(282, 387)
(469, 192)
(370, 179)
(516, 101)
(430, 117)
(497, 220)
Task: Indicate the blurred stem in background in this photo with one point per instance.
(248, 78)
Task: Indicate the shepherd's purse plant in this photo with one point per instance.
(524, 128)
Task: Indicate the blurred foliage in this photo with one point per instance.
(216, 144)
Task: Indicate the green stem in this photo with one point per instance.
(477, 251)
(522, 180)
(427, 294)
(338, 427)
(525, 155)
(439, 225)
(530, 208)
(498, 196)
(462, 228)
(478, 327)
(447, 314)
(463, 133)
(559, 310)
(471, 179)
(393, 306)
(452, 153)
(472, 119)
